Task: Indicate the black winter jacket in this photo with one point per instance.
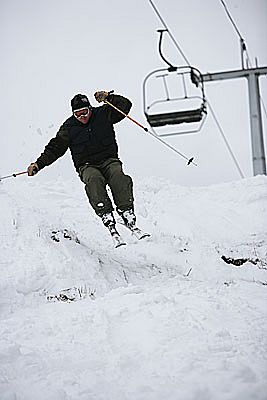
(93, 142)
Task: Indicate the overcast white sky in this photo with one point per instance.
(54, 49)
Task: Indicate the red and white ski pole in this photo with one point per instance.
(189, 160)
(13, 175)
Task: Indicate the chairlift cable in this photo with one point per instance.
(238, 32)
(232, 21)
(261, 99)
(188, 63)
(264, 107)
(169, 32)
(226, 141)
(248, 58)
(245, 47)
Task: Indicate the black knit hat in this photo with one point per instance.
(80, 101)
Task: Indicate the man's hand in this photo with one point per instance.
(33, 169)
(101, 96)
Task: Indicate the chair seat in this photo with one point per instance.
(174, 118)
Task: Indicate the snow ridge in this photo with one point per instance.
(165, 318)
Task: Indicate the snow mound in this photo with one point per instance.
(179, 315)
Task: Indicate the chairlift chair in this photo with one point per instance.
(194, 115)
(177, 117)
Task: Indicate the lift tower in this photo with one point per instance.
(252, 75)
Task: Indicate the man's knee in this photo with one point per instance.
(120, 181)
(90, 174)
(122, 190)
(95, 180)
(96, 192)
(114, 171)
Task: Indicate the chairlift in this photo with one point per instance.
(175, 114)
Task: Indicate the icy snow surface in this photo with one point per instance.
(165, 318)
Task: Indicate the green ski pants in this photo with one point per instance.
(96, 179)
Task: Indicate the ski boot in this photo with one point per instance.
(109, 221)
(129, 220)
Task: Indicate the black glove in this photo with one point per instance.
(33, 169)
(101, 96)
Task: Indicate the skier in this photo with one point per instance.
(90, 136)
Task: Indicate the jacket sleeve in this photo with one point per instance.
(56, 148)
(120, 102)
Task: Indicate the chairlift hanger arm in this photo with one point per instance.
(171, 67)
(195, 79)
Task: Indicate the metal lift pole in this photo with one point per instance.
(252, 75)
(259, 164)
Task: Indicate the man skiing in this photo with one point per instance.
(90, 136)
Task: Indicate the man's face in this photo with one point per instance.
(83, 115)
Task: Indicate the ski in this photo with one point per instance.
(137, 232)
(128, 220)
(117, 240)
(116, 237)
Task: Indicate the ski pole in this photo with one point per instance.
(189, 160)
(13, 175)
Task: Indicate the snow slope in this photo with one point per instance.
(166, 318)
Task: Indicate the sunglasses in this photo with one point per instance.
(83, 112)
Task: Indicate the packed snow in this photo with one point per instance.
(180, 315)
